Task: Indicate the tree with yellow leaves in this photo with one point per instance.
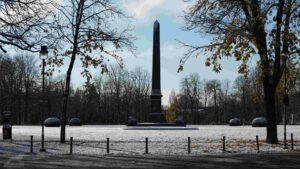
(244, 29)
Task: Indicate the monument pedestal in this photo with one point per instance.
(160, 124)
(157, 118)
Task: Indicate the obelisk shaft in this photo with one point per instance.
(156, 58)
(156, 115)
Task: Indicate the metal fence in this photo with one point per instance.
(148, 146)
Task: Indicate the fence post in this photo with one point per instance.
(31, 144)
(146, 145)
(257, 144)
(224, 148)
(189, 145)
(292, 141)
(71, 145)
(107, 145)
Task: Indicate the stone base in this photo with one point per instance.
(157, 118)
(160, 124)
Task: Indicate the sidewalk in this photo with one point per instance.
(228, 161)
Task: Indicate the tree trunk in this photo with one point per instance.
(269, 92)
(26, 104)
(69, 72)
(19, 110)
(215, 107)
(118, 107)
(66, 97)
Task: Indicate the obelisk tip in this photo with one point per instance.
(156, 25)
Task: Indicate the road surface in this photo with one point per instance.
(226, 161)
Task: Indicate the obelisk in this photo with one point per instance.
(156, 116)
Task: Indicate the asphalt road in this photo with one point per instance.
(226, 161)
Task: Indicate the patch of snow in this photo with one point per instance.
(92, 140)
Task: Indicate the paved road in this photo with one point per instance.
(226, 161)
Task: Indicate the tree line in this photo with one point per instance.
(112, 97)
(202, 101)
(107, 99)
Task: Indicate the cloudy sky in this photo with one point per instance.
(168, 13)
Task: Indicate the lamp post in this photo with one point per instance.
(43, 56)
(286, 102)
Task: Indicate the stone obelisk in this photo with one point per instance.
(156, 116)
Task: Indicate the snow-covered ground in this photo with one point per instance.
(204, 139)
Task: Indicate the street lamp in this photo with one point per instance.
(285, 101)
(43, 56)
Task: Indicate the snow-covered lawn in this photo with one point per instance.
(204, 139)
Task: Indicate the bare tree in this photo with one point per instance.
(88, 31)
(242, 86)
(213, 87)
(116, 81)
(29, 75)
(184, 97)
(205, 93)
(25, 24)
(128, 94)
(225, 85)
(99, 89)
(195, 97)
(141, 82)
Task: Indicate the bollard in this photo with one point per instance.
(71, 145)
(224, 148)
(107, 145)
(292, 141)
(146, 145)
(31, 144)
(257, 144)
(189, 145)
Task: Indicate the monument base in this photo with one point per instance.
(157, 118)
(160, 124)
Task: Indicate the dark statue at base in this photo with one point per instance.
(156, 117)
